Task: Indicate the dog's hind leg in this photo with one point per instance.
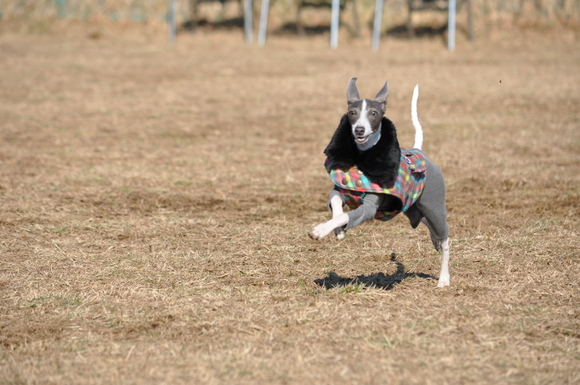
(444, 274)
(443, 247)
(432, 205)
(444, 277)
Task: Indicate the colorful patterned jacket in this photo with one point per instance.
(353, 185)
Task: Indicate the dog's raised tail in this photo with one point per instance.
(418, 129)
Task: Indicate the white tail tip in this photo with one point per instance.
(418, 129)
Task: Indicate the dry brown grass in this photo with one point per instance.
(156, 201)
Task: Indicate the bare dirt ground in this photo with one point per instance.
(155, 202)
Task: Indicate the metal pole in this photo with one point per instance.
(248, 22)
(451, 26)
(263, 22)
(171, 21)
(334, 24)
(61, 5)
(377, 24)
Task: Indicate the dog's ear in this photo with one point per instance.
(382, 95)
(352, 91)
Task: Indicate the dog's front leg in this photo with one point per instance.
(336, 207)
(339, 219)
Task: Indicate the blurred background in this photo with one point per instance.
(300, 17)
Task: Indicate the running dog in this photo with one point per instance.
(377, 179)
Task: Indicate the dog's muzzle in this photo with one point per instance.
(359, 131)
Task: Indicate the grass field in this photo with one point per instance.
(156, 199)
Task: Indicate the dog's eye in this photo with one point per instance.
(374, 113)
(352, 112)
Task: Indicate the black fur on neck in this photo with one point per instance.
(380, 163)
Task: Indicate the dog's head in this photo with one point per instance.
(365, 115)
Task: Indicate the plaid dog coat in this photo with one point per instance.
(353, 185)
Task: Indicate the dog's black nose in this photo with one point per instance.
(359, 130)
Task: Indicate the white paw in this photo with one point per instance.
(340, 234)
(443, 281)
(320, 231)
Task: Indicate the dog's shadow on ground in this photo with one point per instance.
(379, 280)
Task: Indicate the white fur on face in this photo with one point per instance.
(363, 121)
(368, 123)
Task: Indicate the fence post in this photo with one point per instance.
(451, 26)
(61, 5)
(334, 24)
(171, 20)
(377, 24)
(248, 22)
(264, 10)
